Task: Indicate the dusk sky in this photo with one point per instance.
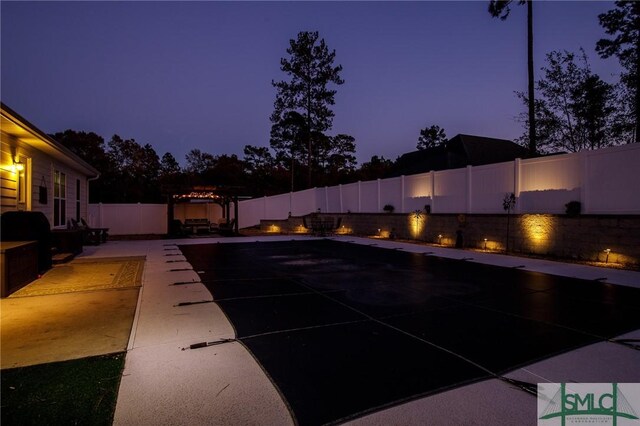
(198, 74)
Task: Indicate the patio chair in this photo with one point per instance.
(214, 227)
(88, 237)
(102, 233)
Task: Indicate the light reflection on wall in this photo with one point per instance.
(417, 221)
(612, 257)
(273, 229)
(490, 244)
(616, 258)
(300, 229)
(10, 168)
(343, 230)
(382, 233)
(8, 163)
(538, 231)
(445, 240)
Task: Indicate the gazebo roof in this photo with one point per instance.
(213, 193)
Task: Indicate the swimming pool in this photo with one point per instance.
(344, 329)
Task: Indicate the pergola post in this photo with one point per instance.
(170, 213)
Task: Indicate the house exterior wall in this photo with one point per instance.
(39, 169)
(8, 179)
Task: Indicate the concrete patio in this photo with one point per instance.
(79, 309)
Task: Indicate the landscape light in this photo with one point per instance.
(606, 260)
(440, 239)
(485, 243)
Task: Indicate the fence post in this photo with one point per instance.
(291, 203)
(326, 199)
(517, 170)
(469, 195)
(433, 191)
(340, 192)
(402, 192)
(379, 200)
(584, 182)
(139, 219)
(101, 214)
(165, 222)
(359, 196)
(264, 208)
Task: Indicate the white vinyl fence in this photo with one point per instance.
(603, 181)
(129, 219)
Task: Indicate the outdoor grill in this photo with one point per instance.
(29, 226)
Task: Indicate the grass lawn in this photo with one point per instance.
(82, 391)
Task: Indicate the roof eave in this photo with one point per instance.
(52, 147)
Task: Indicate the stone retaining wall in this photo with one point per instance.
(585, 237)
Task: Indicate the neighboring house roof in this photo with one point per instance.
(18, 127)
(459, 151)
(480, 150)
(421, 161)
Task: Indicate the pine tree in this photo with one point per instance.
(310, 70)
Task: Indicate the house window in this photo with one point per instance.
(78, 200)
(59, 198)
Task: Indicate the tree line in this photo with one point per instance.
(131, 172)
(568, 109)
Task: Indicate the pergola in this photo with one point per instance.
(222, 195)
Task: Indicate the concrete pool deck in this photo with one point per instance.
(165, 382)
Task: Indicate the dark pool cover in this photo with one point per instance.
(343, 329)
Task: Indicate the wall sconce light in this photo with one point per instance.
(606, 260)
(485, 244)
(18, 166)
